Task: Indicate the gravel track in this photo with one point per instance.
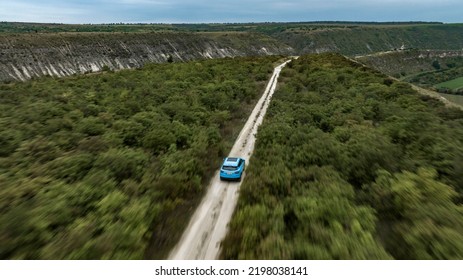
(208, 225)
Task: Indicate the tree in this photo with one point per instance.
(425, 222)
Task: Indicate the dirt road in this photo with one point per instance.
(208, 225)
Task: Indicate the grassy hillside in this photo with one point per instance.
(110, 166)
(350, 164)
(444, 80)
(429, 69)
(409, 63)
(363, 39)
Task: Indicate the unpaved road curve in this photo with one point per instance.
(208, 225)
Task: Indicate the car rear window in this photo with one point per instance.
(229, 168)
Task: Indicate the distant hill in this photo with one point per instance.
(401, 64)
(26, 56)
(29, 50)
(364, 39)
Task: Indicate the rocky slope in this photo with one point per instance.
(409, 62)
(26, 56)
(31, 50)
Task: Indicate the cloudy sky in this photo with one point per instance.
(188, 11)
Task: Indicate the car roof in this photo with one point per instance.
(231, 161)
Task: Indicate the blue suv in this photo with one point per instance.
(232, 168)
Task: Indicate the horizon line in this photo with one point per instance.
(243, 22)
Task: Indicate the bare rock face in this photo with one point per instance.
(26, 56)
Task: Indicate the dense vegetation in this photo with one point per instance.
(350, 164)
(109, 166)
(430, 70)
(364, 39)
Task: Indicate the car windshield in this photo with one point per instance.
(229, 167)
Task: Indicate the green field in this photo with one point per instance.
(454, 84)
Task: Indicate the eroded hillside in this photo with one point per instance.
(33, 50)
(407, 62)
(25, 56)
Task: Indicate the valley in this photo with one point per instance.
(111, 137)
(34, 50)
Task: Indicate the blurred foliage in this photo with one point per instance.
(350, 164)
(92, 166)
